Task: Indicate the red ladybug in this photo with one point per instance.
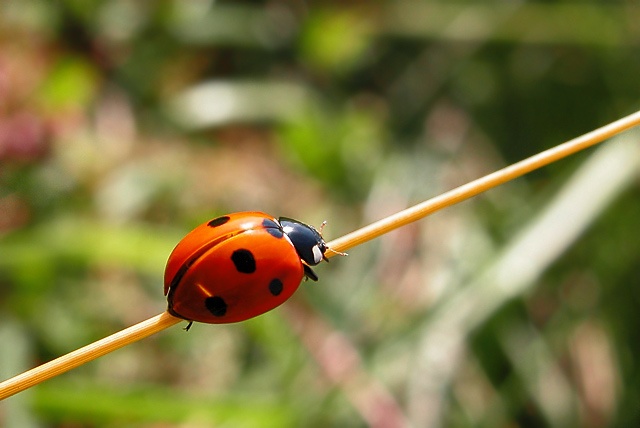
(240, 265)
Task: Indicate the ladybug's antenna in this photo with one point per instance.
(164, 320)
(334, 252)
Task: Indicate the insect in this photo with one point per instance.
(239, 266)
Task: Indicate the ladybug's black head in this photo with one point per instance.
(306, 239)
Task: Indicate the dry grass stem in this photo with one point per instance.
(483, 184)
(86, 354)
(159, 322)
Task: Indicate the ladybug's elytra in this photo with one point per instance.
(239, 266)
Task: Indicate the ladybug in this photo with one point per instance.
(239, 266)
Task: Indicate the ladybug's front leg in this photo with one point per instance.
(309, 273)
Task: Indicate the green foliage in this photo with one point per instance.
(124, 124)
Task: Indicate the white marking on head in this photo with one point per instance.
(317, 254)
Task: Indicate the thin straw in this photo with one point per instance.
(164, 320)
(480, 185)
(86, 354)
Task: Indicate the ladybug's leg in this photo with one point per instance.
(188, 326)
(309, 273)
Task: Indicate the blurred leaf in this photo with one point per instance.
(335, 40)
(226, 102)
(241, 25)
(64, 402)
(582, 23)
(88, 242)
(339, 148)
(71, 84)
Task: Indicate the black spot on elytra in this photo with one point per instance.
(216, 305)
(244, 261)
(218, 221)
(275, 287)
(272, 228)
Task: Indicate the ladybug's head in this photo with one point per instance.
(306, 239)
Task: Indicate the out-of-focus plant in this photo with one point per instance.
(123, 124)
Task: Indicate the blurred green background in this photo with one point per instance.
(124, 124)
